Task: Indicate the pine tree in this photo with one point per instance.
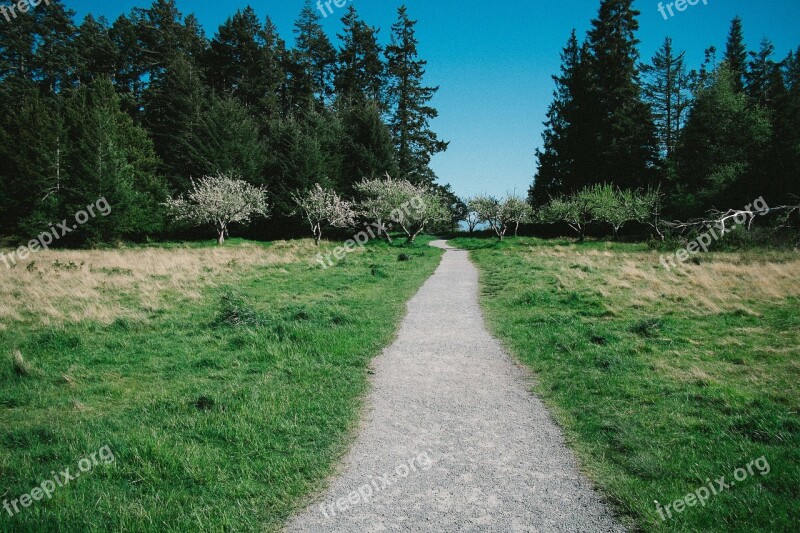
(314, 57)
(31, 162)
(55, 59)
(786, 137)
(296, 158)
(415, 143)
(173, 106)
(96, 52)
(129, 69)
(38, 47)
(226, 141)
(242, 61)
(109, 156)
(555, 166)
(720, 149)
(763, 77)
(164, 34)
(666, 89)
(625, 151)
(736, 54)
(367, 148)
(360, 72)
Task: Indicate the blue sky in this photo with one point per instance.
(494, 62)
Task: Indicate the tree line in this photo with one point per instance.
(133, 110)
(708, 138)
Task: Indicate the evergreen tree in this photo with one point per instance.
(780, 95)
(722, 143)
(96, 52)
(763, 77)
(625, 151)
(129, 69)
(226, 141)
(736, 54)
(173, 106)
(360, 72)
(296, 160)
(568, 129)
(314, 59)
(164, 34)
(109, 156)
(666, 88)
(242, 61)
(38, 47)
(31, 163)
(415, 143)
(367, 148)
(786, 137)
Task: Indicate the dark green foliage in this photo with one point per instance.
(734, 139)
(109, 157)
(240, 102)
(414, 141)
(721, 144)
(226, 140)
(736, 54)
(243, 61)
(360, 73)
(314, 62)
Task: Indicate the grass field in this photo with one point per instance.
(225, 381)
(663, 381)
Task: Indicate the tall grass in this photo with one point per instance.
(226, 381)
(661, 379)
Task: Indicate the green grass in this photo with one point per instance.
(661, 380)
(223, 413)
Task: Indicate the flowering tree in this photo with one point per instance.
(322, 207)
(577, 211)
(472, 217)
(517, 211)
(502, 214)
(220, 200)
(425, 209)
(379, 198)
(412, 207)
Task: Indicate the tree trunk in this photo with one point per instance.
(221, 238)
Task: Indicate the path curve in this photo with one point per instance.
(452, 439)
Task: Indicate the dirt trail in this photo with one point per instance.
(452, 438)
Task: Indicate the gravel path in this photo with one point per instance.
(452, 439)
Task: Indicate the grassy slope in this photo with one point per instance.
(661, 380)
(285, 392)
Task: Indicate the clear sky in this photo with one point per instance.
(494, 62)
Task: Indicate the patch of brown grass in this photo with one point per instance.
(55, 285)
(722, 282)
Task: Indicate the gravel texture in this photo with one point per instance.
(452, 438)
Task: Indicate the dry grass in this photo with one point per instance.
(19, 365)
(53, 286)
(722, 282)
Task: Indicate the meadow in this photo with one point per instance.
(664, 381)
(225, 380)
